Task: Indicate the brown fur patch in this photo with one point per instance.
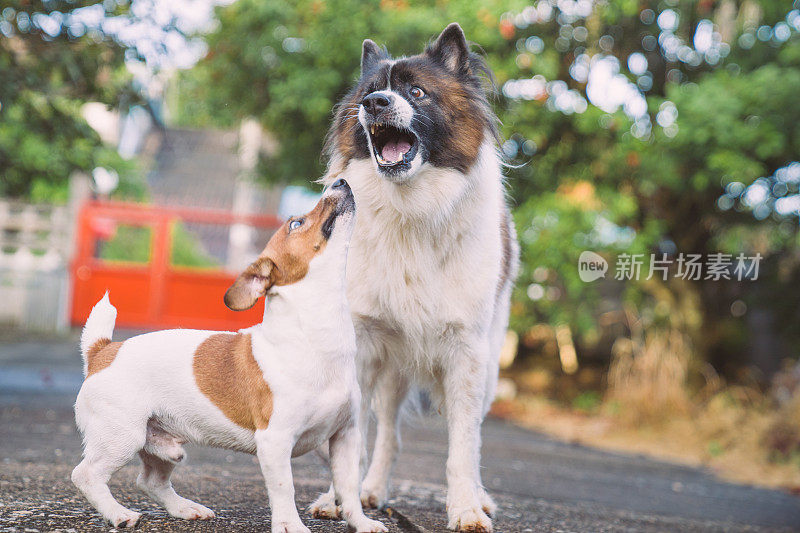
(101, 354)
(291, 252)
(456, 108)
(250, 285)
(286, 258)
(227, 374)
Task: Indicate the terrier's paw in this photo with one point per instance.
(365, 525)
(324, 507)
(373, 496)
(289, 527)
(487, 504)
(190, 510)
(472, 520)
(124, 518)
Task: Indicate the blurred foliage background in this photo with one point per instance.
(631, 127)
(634, 126)
(50, 65)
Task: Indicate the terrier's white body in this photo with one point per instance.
(162, 389)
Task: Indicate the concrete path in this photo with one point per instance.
(540, 484)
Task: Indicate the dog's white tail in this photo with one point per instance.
(99, 327)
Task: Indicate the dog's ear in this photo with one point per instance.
(251, 284)
(371, 55)
(451, 49)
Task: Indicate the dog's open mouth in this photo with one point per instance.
(394, 147)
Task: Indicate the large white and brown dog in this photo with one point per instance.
(433, 256)
(277, 390)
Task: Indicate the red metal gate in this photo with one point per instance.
(157, 272)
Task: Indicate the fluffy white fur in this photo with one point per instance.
(424, 275)
(148, 399)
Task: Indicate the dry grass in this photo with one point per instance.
(647, 378)
(650, 408)
(732, 441)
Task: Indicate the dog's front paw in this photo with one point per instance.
(325, 507)
(487, 504)
(365, 525)
(192, 511)
(289, 527)
(472, 520)
(124, 518)
(373, 495)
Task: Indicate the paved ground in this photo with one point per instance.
(540, 484)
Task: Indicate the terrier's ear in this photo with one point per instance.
(251, 284)
(451, 48)
(371, 55)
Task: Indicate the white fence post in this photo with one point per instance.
(36, 244)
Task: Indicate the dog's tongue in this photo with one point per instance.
(394, 150)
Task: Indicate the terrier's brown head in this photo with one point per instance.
(289, 252)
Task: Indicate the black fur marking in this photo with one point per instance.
(451, 49)
(371, 55)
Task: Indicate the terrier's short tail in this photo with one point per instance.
(98, 329)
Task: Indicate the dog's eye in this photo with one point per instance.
(416, 92)
(296, 223)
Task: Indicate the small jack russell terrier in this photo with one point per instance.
(278, 389)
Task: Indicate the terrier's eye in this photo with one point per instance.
(416, 92)
(296, 223)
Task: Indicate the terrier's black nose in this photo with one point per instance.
(375, 103)
(338, 184)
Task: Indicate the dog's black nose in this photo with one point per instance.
(338, 184)
(375, 103)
